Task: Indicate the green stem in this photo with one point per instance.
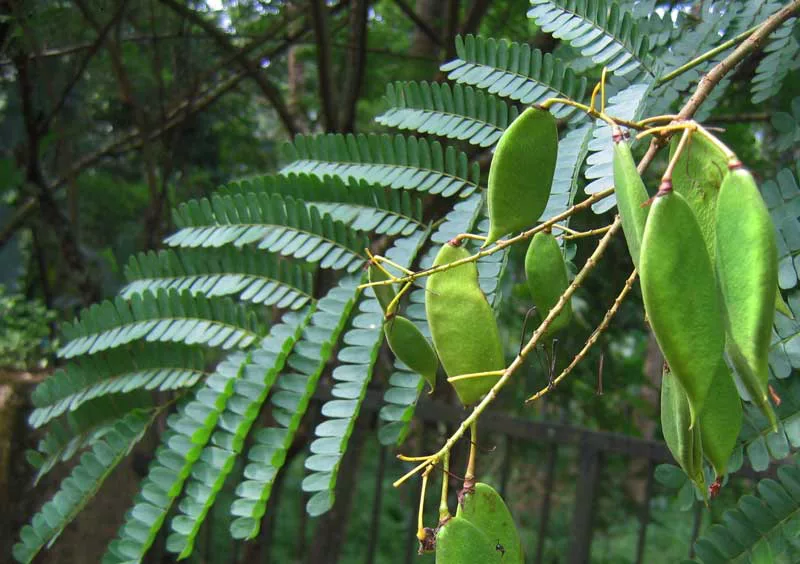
(590, 263)
(707, 55)
(444, 511)
(469, 475)
(499, 246)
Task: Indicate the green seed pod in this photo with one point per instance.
(747, 268)
(410, 345)
(461, 542)
(385, 293)
(546, 272)
(697, 177)
(463, 325)
(485, 509)
(521, 173)
(684, 442)
(680, 296)
(721, 420)
(631, 194)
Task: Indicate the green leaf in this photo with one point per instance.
(670, 476)
(295, 386)
(400, 163)
(629, 104)
(147, 366)
(218, 457)
(599, 29)
(81, 485)
(189, 429)
(165, 316)
(351, 378)
(515, 71)
(454, 112)
(283, 225)
(252, 275)
(757, 525)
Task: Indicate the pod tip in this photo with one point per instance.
(735, 164)
(616, 134)
(714, 487)
(664, 188)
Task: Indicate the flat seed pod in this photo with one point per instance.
(631, 194)
(463, 325)
(747, 268)
(697, 177)
(410, 345)
(684, 443)
(485, 509)
(721, 420)
(546, 272)
(385, 293)
(461, 542)
(521, 173)
(680, 296)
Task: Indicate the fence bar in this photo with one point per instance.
(698, 519)
(589, 467)
(506, 473)
(644, 516)
(375, 525)
(413, 492)
(544, 514)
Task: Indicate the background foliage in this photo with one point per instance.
(208, 175)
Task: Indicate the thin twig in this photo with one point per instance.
(706, 85)
(753, 42)
(707, 55)
(500, 245)
(591, 340)
(588, 266)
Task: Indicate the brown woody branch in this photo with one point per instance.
(356, 61)
(252, 68)
(327, 94)
(419, 22)
(181, 111)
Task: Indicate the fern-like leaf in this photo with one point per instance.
(189, 430)
(294, 389)
(628, 104)
(787, 126)
(515, 71)
(357, 359)
(604, 33)
(252, 275)
(351, 376)
(279, 225)
(154, 366)
(715, 23)
(82, 428)
(400, 398)
(785, 347)
(356, 203)
(219, 456)
(781, 57)
(770, 519)
(782, 196)
(401, 162)
(455, 112)
(167, 316)
(81, 485)
(572, 150)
